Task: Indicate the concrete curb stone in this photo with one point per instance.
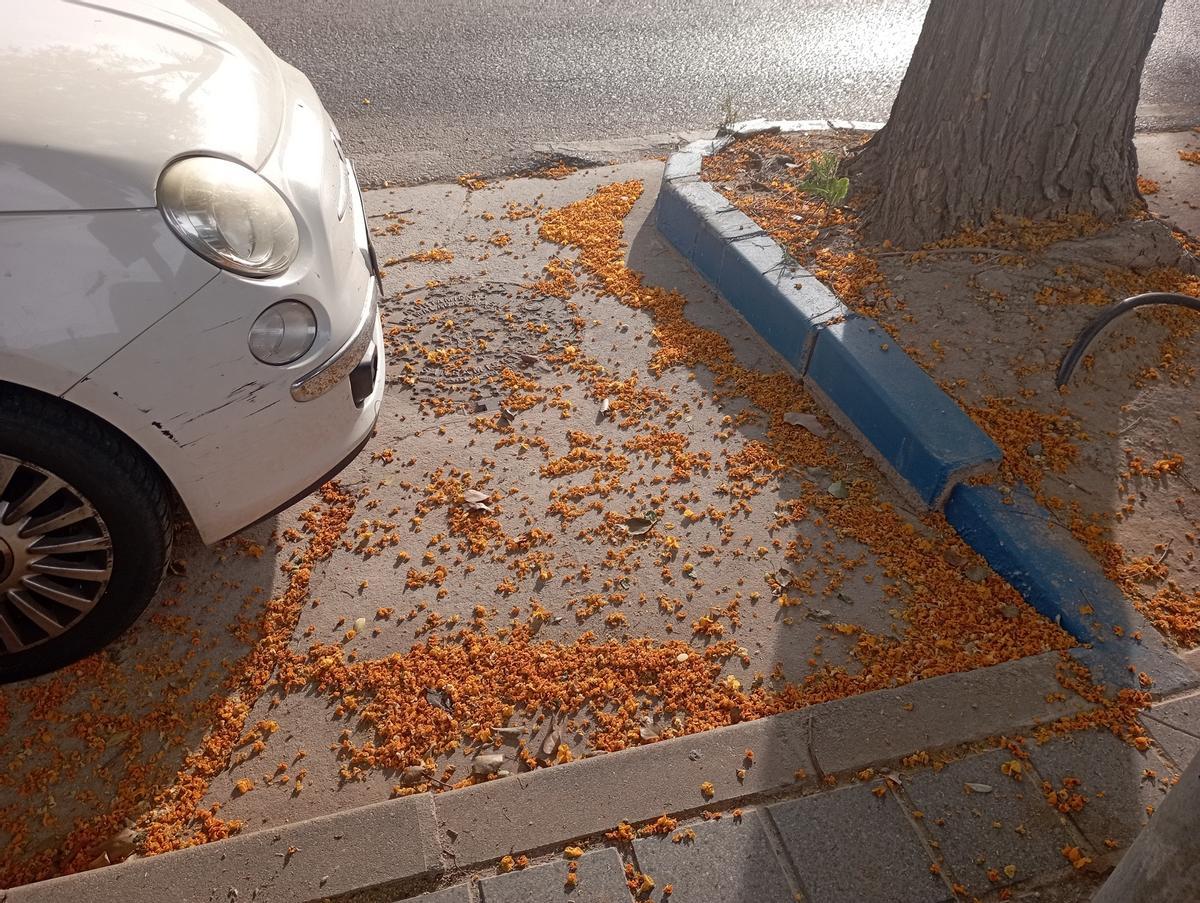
(938, 712)
(528, 812)
(922, 440)
(549, 807)
(336, 854)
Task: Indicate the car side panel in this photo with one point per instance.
(76, 287)
(222, 426)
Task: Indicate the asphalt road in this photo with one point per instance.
(476, 85)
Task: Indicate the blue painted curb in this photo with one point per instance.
(783, 302)
(1056, 575)
(917, 430)
(915, 426)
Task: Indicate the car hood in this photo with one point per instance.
(96, 96)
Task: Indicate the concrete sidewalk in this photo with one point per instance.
(550, 466)
(823, 802)
(466, 340)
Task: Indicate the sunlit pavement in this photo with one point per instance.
(502, 388)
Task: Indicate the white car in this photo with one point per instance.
(188, 304)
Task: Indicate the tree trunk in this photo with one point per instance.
(1163, 865)
(1023, 107)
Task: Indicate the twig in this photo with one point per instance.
(1125, 429)
(390, 213)
(1163, 556)
(1186, 482)
(950, 251)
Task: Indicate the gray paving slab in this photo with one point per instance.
(600, 879)
(1010, 826)
(731, 860)
(1182, 713)
(1177, 745)
(1112, 778)
(459, 893)
(849, 845)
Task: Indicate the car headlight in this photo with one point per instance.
(229, 215)
(283, 332)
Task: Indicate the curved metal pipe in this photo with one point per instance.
(1071, 359)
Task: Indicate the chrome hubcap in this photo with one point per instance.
(55, 556)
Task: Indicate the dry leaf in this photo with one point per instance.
(783, 579)
(487, 764)
(809, 422)
(638, 526)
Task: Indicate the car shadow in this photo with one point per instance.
(86, 750)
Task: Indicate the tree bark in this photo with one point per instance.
(1163, 865)
(1024, 107)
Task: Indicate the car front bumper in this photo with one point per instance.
(237, 438)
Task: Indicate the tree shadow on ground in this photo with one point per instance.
(1120, 785)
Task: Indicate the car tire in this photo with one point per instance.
(85, 533)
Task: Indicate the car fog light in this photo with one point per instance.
(283, 333)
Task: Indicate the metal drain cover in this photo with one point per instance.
(458, 339)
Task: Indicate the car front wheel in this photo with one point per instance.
(85, 533)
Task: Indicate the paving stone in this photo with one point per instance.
(1183, 714)
(731, 861)
(1030, 835)
(459, 893)
(1110, 772)
(849, 845)
(601, 880)
(1180, 747)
